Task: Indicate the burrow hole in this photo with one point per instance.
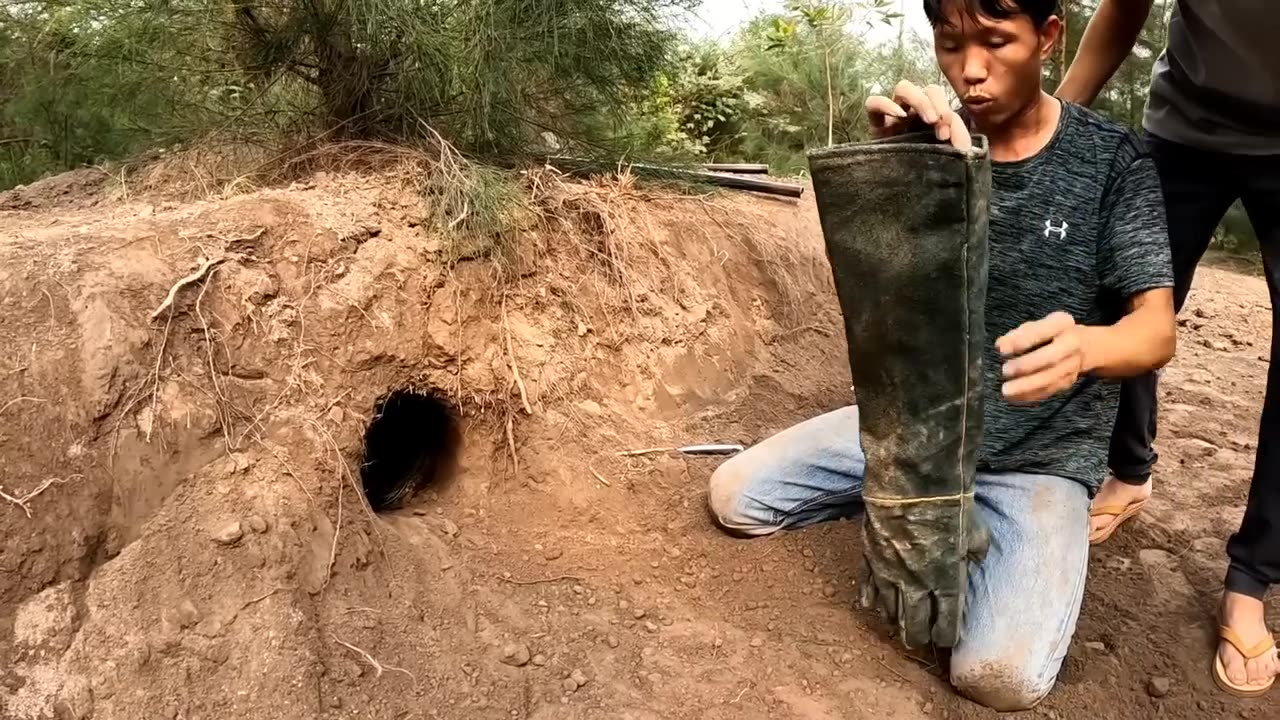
(411, 444)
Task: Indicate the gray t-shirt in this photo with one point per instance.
(1078, 227)
(1217, 84)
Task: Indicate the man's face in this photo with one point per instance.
(993, 65)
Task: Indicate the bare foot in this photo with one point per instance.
(1246, 616)
(1116, 494)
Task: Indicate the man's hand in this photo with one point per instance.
(1043, 358)
(912, 105)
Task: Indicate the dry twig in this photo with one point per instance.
(541, 581)
(511, 444)
(515, 371)
(378, 668)
(191, 279)
(599, 477)
(17, 400)
(24, 501)
(646, 451)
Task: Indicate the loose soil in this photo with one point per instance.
(200, 546)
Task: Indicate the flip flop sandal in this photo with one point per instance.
(1220, 671)
(1121, 513)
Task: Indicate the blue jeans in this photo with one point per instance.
(1024, 599)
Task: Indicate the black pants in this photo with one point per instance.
(1199, 187)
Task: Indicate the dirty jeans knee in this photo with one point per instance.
(734, 511)
(1024, 598)
(1001, 686)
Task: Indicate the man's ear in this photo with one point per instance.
(1050, 36)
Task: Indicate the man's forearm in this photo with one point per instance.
(1105, 44)
(1142, 341)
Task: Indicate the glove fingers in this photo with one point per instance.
(915, 618)
(867, 592)
(949, 620)
(979, 538)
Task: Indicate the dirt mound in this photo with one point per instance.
(194, 397)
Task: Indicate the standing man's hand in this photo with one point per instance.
(1043, 358)
(912, 105)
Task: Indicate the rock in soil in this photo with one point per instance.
(579, 677)
(257, 523)
(1158, 687)
(515, 654)
(229, 534)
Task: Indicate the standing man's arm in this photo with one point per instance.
(1105, 44)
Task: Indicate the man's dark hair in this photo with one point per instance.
(1038, 10)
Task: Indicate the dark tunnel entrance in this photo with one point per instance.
(410, 445)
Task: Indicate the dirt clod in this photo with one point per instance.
(515, 654)
(188, 614)
(257, 523)
(1158, 687)
(229, 534)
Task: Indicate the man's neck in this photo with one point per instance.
(1025, 133)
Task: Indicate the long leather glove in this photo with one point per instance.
(905, 224)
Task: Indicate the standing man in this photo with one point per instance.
(1213, 128)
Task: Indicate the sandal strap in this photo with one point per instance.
(1258, 650)
(1115, 509)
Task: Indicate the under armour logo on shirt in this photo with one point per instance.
(1062, 231)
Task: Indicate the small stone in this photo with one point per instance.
(579, 677)
(336, 415)
(257, 523)
(569, 685)
(591, 407)
(611, 641)
(188, 614)
(335, 702)
(1203, 704)
(667, 622)
(515, 654)
(654, 678)
(1096, 646)
(553, 554)
(448, 527)
(689, 581)
(638, 613)
(1158, 687)
(807, 552)
(757, 642)
(672, 551)
(650, 627)
(229, 534)
(828, 590)
(771, 625)
(577, 590)
(737, 577)
(928, 708)
(845, 659)
(655, 564)
(540, 660)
